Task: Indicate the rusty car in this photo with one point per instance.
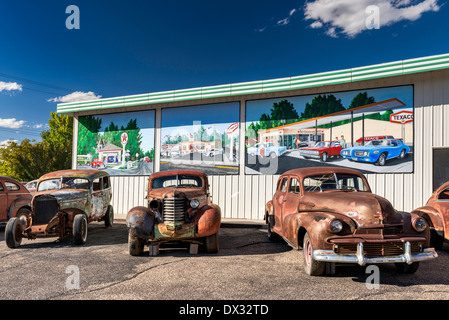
(331, 213)
(64, 203)
(179, 209)
(14, 200)
(436, 213)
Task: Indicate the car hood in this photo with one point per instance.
(188, 193)
(363, 207)
(63, 194)
(316, 149)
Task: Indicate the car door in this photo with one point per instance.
(97, 199)
(3, 202)
(290, 208)
(278, 202)
(335, 149)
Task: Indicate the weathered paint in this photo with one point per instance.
(366, 217)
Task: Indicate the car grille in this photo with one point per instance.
(377, 249)
(359, 153)
(45, 208)
(174, 210)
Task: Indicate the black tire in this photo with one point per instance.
(272, 236)
(407, 268)
(13, 235)
(436, 241)
(80, 229)
(381, 160)
(211, 243)
(135, 244)
(324, 157)
(311, 266)
(402, 154)
(109, 217)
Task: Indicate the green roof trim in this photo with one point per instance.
(382, 70)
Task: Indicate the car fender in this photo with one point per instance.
(316, 224)
(432, 216)
(207, 220)
(17, 204)
(268, 210)
(140, 221)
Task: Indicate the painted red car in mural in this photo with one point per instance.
(332, 214)
(64, 203)
(436, 212)
(322, 150)
(14, 199)
(179, 209)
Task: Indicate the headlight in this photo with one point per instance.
(366, 153)
(346, 153)
(194, 203)
(336, 226)
(420, 224)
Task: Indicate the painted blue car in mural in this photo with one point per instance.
(377, 151)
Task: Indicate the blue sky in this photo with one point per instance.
(132, 47)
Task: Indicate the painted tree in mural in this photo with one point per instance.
(361, 99)
(88, 135)
(322, 105)
(112, 135)
(283, 113)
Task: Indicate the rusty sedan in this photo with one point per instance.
(14, 199)
(64, 203)
(436, 213)
(179, 209)
(332, 214)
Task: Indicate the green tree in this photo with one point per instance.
(361, 99)
(30, 159)
(322, 105)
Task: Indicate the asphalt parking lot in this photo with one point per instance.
(247, 267)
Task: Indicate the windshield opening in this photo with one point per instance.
(322, 144)
(378, 143)
(334, 181)
(187, 181)
(64, 183)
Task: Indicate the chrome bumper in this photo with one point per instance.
(407, 257)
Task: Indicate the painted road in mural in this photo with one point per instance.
(140, 168)
(292, 160)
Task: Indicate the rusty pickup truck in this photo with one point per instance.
(179, 209)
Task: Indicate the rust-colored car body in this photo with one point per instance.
(170, 216)
(14, 197)
(61, 196)
(372, 231)
(436, 212)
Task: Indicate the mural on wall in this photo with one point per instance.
(120, 143)
(368, 130)
(204, 137)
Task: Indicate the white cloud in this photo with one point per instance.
(4, 143)
(76, 96)
(38, 126)
(10, 86)
(286, 21)
(349, 16)
(11, 123)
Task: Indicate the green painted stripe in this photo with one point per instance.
(382, 70)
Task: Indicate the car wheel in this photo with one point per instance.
(80, 229)
(311, 266)
(407, 268)
(135, 244)
(211, 243)
(22, 215)
(13, 233)
(109, 217)
(324, 157)
(273, 155)
(381, 160)
(436, 241)
(402, 154)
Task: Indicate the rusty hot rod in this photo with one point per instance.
(179, 209)
(332, 214)
(64, 203)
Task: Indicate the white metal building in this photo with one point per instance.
(244, 195)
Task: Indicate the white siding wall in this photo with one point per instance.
(244, 196)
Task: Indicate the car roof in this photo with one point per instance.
(81, 173)
(310, 171)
